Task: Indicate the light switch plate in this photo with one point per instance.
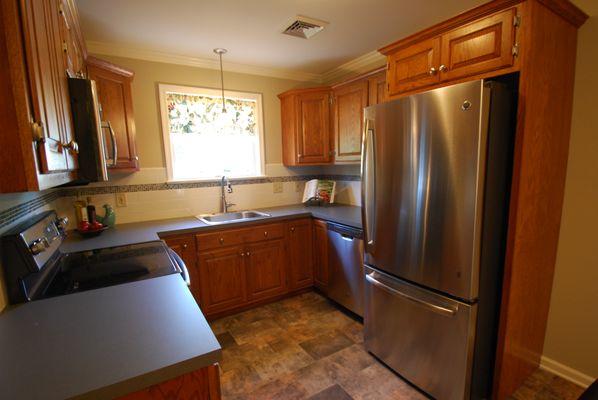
(121, 199)
(277, 187)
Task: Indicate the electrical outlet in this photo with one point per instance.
(277, 187)
(299, 186)
(121, 199)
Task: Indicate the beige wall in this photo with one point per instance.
(572, 334)
(147, 112)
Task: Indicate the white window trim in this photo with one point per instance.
(164, 88)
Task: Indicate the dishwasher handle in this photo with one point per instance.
(346, 232)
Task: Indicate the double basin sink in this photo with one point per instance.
(225, 218)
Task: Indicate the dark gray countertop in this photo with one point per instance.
(103, 343)
(138, 232)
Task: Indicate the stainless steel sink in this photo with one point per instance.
(225, 218)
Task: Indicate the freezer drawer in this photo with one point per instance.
(425, 337)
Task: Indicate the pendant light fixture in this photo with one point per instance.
(220, 52)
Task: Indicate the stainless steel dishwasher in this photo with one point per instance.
(345, 260)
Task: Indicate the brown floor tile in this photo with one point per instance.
(332, 393)
(326, 344)
(226, 340)
(305, 346)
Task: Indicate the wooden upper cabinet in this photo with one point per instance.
(377, 88)
(114, 93)
(414, 66)
(73, 45)
(300, 253)
(306, 137)
(478, 47)
(349, 101)
(51, 117)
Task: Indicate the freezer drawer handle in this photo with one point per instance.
(439, 309)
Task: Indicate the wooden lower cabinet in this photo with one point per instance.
(300, 254)
(203, 384)
(321, 255)
(265, 267)
(222, 279)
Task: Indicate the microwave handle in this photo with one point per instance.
(108, 125)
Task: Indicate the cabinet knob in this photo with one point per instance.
(265, 233)
(443, 68)
(72, 146)
(432, 71)
(248, 254)
(185, 246)
(242, 254)
(299, 155)
(221, 240)
(292, 229)
(37, 131)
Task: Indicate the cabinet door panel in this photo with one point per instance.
(349, 102)
(377, 89)
(479, 47)
(222, 279)
(300, 256)
(411, 67)
(114, 93)
(321, 255)
(265, 270)
(44, 66)
(313, 128)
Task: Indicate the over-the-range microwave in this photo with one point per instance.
(89, 127)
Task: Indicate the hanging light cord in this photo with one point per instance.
(222, 82)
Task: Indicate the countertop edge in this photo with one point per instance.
(152, 378)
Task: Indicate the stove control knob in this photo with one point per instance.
(38, 245)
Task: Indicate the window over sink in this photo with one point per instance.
(202, 142)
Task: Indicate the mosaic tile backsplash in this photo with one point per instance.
(170, 200)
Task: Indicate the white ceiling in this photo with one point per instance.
(251, 30)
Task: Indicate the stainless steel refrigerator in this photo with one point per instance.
(436, 171)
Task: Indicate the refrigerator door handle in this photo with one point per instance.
(449, 312)
(368, 185)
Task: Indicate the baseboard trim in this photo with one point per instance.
(565, 372)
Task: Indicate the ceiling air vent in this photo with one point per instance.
(304, 27)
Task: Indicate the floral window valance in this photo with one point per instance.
(198, 114)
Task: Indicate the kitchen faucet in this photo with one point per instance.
(225, 183)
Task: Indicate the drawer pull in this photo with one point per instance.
(265, 233)
(185, 246)
(221, 240)
(293, 229)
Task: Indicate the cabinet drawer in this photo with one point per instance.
(232, 237)
(265, 232)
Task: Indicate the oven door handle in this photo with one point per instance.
(181, 264)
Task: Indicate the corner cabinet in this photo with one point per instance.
(324, 125)
(36, 119)
(306, 134)
(321, 271)
(300, 253)
(114, 92)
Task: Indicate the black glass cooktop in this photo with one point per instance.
(76, 272)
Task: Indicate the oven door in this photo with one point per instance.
(425, 337)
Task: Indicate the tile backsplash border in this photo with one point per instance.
(41, 199)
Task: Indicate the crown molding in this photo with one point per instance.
(110, 49)
(358, 65)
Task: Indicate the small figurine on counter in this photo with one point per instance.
(109, 218)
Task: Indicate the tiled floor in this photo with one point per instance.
(305, 348)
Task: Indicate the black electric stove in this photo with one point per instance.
(36, 269)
